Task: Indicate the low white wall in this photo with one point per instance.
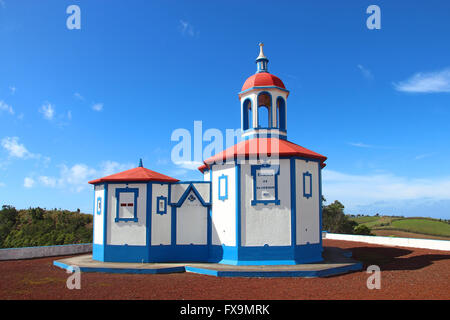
(393, 241)
(45, 251)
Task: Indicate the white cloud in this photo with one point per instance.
(76, 177)
(162, 161)
(2, 185)
(48, 111)
(12, 89)
(15, 149)
(48, 181)
(78, 96)
(424, 155)
(417, 207)
(360, 145)
(429, 82)
(190, 165)
(61, 120)
(365, 72)
(187, 29)
(366, 189)
(110, 167)
(28, 182)
(6, 107)
(178, 172)
(365, 145)
(97, 107)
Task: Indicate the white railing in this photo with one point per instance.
(392, 241)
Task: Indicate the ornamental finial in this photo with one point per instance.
(140, 163)
(261, 61)
(261, 52)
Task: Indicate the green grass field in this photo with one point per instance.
(365, 219)
(426, 226)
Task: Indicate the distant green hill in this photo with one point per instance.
(39, 227)
(426, 226)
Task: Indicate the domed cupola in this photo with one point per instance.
(263, 103)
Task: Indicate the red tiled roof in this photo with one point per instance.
(135, 174)
(263, 146)
(262, 79)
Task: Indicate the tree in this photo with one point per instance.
(8, 218)
(334, 220)
(40, 227)
(37, 213)
(362, 229)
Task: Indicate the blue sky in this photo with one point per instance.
(79, 104)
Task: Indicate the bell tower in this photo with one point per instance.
(263, 103)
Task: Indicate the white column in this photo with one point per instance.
(255, 110)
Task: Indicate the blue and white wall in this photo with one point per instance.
(190, 202)
(283, 229)
(266, 224)
(122, 227)
(218, 220)
(308, 198)
(223, 213)
(99, 213)
(161, 220)
(147, 222)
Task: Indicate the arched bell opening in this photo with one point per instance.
(264, 110)
(281, 113)
(247, 114)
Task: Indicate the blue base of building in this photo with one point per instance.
(211, 270)
(125, 253)
(174, 269)
(277, 274)
(265, 255)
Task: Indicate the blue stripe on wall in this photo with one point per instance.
(293, 204)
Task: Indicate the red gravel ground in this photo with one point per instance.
(406, 273)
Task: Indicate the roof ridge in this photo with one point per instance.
(135, 174)
(266, 145)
